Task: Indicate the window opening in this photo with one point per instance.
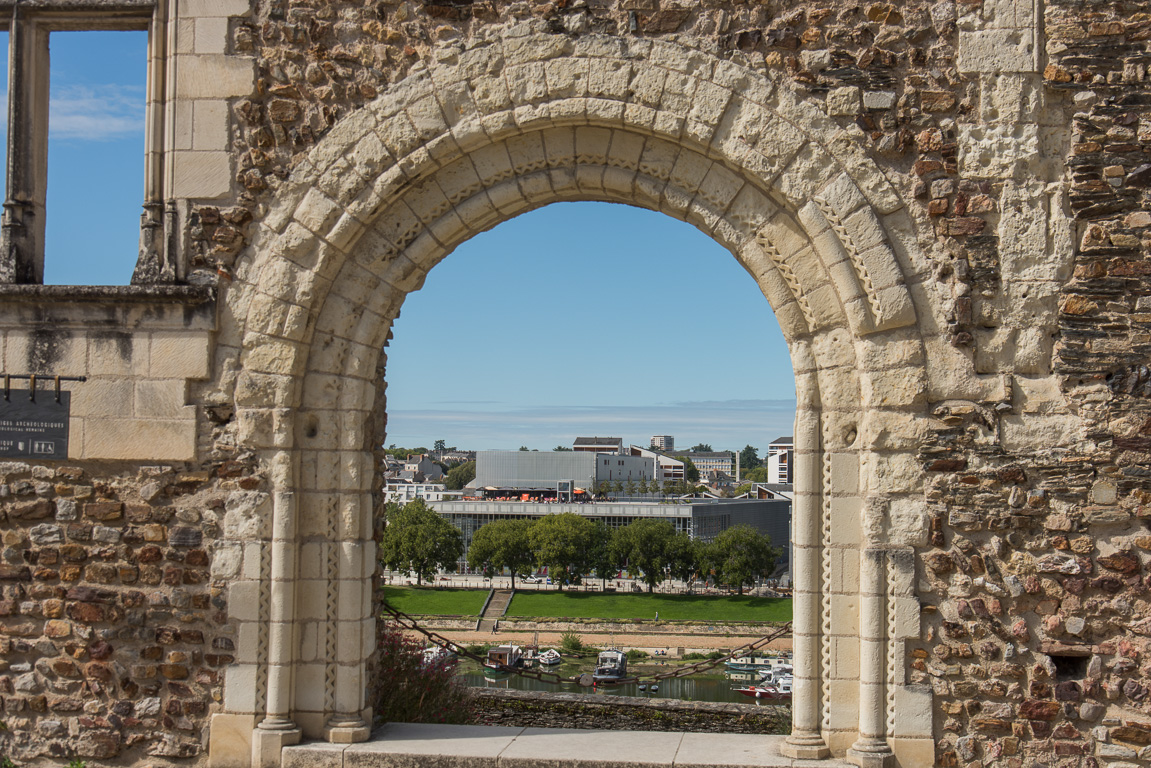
(96, 156)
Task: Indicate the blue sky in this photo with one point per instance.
(576, 319)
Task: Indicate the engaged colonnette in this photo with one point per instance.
(944, 202)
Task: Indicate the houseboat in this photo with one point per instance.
(610, 667)
(503, 658)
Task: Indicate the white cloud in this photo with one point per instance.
(96, 112)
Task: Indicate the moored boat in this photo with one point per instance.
(610, 667)
(550, 657)
(503, 658)
(763, 691)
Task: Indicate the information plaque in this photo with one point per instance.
(34, 428)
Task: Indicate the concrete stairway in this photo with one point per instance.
(497, 607)
(416, 745)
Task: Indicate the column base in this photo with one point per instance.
(269, 740)
(871, 753)
(346, 731)
(804, 746)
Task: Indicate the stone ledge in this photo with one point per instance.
(470, 746)
(186, 294)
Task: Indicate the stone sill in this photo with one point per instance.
(184, 294)
(472, 746)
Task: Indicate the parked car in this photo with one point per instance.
(532, 579)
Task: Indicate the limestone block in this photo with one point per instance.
(310, 687)
(1025, 222)
(57, 352)
(201, 175)
(893, 388)
(1037, 432)
(913, 712)
(240, 688)
(907, 524)
(194, 8)
(1038, 394)
(117, 353)
(211, 35)
(230, 740)
(807, 172)
(997, 51)
(913, 751)
(244, 600)
(998, 151)
(140, 440)
(845, 473)
(102, 398)
(844, 101)
(845, 658)
(311, 599)
(844, 704)
(163, 399)
(845, 521)
(214, 77)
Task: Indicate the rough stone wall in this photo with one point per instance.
(114, 628)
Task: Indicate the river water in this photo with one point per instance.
(711, 686)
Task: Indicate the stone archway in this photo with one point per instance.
(512, 123)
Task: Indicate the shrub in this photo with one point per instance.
(415, 692)
(571, 642)
(694, 656)
(636, 653)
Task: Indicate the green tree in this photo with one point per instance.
(742, 489)
(741, 554)
(417, 540)
(684, 556)
(561, 545)
(748, 458)
(440, 446)
(690, 472)
(630, 487)
(460, 475)
(502, 544)
(561, 448)
(601, 558)
(757, 475)
(643, 545)
(524, 448)
(701, 448)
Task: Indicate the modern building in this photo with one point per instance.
(598, 445)
(718, 461)
(525, 471)
(663, 442)
(780, 459)
(668, 469)
(404, 492)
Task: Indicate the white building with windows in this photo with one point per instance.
(780, 459)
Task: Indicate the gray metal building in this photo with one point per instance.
(528, 470)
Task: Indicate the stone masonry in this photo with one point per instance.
(945, 202)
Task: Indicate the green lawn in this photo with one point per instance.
(586, 605)
(436, 601)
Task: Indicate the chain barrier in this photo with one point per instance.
(408, 622)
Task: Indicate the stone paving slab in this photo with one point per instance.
(416, 745)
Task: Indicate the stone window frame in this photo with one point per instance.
(29, 26)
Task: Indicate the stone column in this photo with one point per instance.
(871, 749)
(353, 615)
(277, 729)
(155, 262)
(22, 228)
(805, 741)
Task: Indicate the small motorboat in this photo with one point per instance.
(765, 692)
(610, 666)
(435, 654)
(550, 657)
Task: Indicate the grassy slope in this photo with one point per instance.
(436, 601)
(586, 605)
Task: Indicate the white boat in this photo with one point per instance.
(550, 657)
(435, 654)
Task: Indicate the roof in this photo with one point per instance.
(787, 440)
(707, 454)
(598, 441)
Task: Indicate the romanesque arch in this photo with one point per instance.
(517, 120)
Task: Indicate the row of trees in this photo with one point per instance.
(572, 547)
(417, 540)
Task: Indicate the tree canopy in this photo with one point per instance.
(748, 458)
(740, 555)
(561, 544)
(502, 544)
(417, 540)
(460, 475)
(701, 448)
(757, 475)
(643, 546)
(690, 472)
